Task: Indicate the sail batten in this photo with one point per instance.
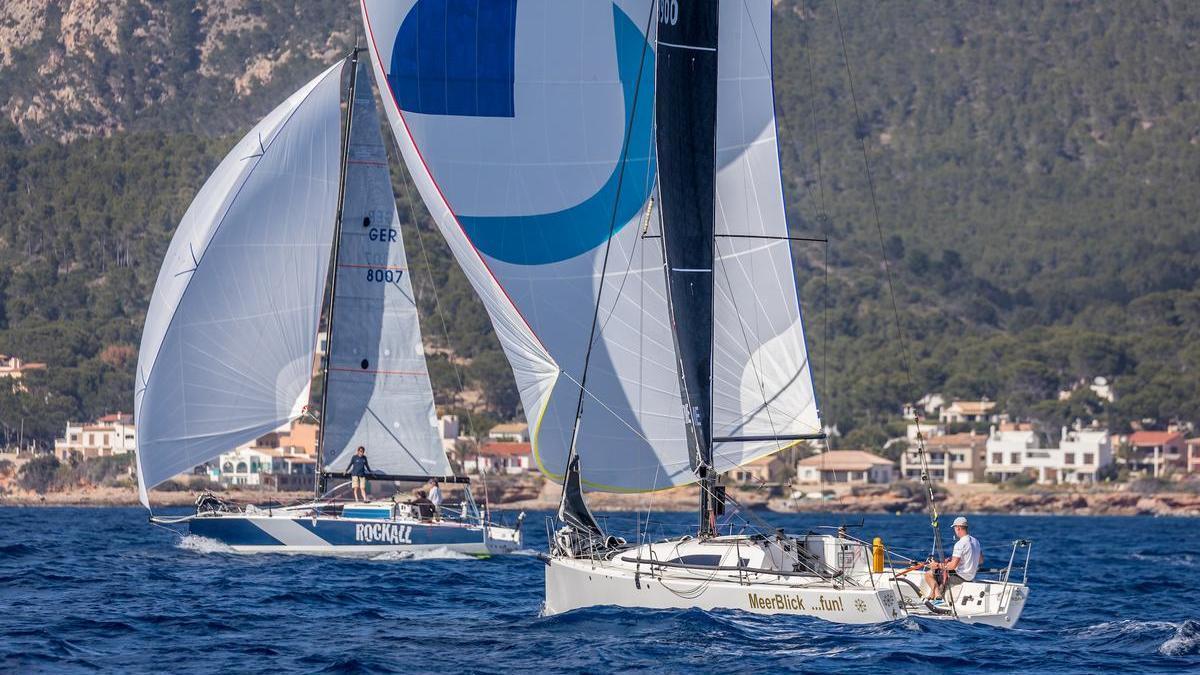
(200, 393)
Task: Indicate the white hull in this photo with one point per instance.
(745, 575)
(573, 584)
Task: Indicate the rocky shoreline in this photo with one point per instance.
(531, 493)
(1016, 503)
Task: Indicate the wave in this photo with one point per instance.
(1186, 560)
(1185, 641)
(439, 553)
(17, 550)
(198, 544)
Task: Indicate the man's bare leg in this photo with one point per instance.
(932, 584)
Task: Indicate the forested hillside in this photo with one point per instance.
(1036, 165)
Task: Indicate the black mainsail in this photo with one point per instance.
(686, 121)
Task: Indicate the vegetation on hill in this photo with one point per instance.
(1035, 168)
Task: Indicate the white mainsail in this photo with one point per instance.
(379, 395)
(531, 143)
(762, 379)
(228, 345)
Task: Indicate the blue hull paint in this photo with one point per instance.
(336, 534)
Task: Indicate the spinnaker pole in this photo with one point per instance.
(319, 479)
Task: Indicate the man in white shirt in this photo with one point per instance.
(962, 565)
(435, 495)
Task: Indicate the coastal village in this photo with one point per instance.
(973, 449)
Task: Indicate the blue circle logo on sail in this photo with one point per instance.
(432, 73)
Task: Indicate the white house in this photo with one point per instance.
(500, 457)
(449, 429)
(846, 466)
(273, 468)
(511, 432)
(968, 411)
(1006, 448)
(110, 435)
(1079, 457)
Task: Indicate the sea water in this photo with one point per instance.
(86, 589)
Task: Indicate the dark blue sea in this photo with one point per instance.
(91, 589)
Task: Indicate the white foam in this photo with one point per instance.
(1185, 641)
(439, 553)
(198, 544)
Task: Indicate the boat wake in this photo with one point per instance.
(1185, 642)
(198, 544)
(439, 553)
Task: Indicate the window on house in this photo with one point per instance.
(1015, 458)
(241, 467)
(91, 439)
(1089, 458)
(1069, 458)
(997, 458)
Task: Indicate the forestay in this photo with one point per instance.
(228, 345)
(531, 143)
(379, 391)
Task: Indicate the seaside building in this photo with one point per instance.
(969, 411)
(110, 435)
(15, 369)
(1154, 453)
(762, 470)
(1193, 454)
(267, 468)
(512, 432)
(449, 429)
(1015, 449)
(953, 458)
(501, 457)
(1007, 447)
(846, 466)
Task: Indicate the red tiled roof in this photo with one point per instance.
(1149, 439)
(505, 449)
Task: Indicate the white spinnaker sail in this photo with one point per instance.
(228, 344)
(762, 380)
(379, 395)
(517, 141)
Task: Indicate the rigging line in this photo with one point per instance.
(608, 243)
(903, 347)
(597, 399)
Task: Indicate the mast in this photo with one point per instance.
(319, 479)
(685, 132)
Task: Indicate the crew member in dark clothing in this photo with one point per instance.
(358, 470)
(425, 508)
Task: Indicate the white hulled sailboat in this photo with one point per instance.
(607, 176)
(229, 343)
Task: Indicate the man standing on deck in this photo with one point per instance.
(963, 564)
(358, 470)
(435, 495)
